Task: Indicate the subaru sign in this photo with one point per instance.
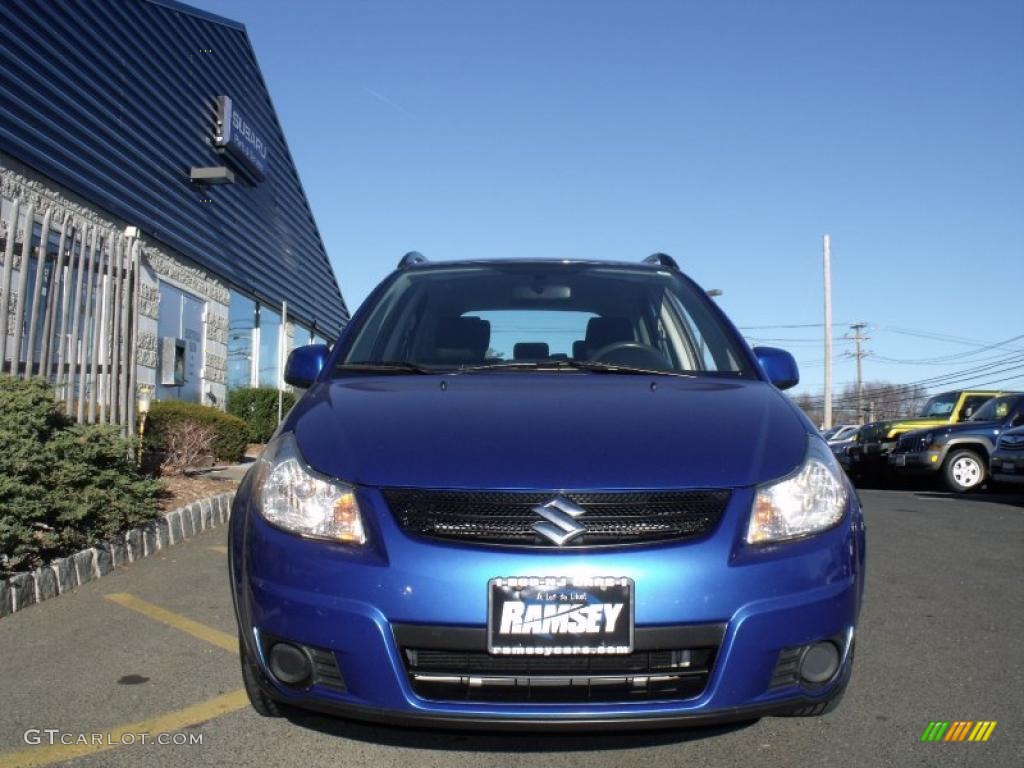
(238, 138)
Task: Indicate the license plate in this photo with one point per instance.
(899, 461)
(546, 616)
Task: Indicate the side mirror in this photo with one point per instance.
(304, 365)
(779, 366)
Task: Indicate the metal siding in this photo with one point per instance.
(113, 99)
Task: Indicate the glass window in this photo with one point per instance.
(971, 405)
(996, 409)
(241, 321)
(565, 317)
(180, 317)
(939, 406)
(302, 337)
(270, 350)
(550, 333)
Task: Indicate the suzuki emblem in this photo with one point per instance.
(559, 526)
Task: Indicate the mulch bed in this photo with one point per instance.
(183, 489)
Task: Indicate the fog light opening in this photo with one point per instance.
(819, 663)
(289, 664)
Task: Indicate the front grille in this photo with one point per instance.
(908, 444)
(1011, 443)
(874, 433)
(449, 664)
(507, 517)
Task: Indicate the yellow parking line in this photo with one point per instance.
(168, 723)
(222, 550)
(210, 635)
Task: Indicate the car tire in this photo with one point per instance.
(964, 470)
(251, 677)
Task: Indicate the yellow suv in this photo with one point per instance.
(947, 408)
(875, 441)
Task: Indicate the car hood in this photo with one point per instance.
(963, 427)
(561, 431)
(912, 425)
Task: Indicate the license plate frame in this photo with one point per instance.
(610, 630)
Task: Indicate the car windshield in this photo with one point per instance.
(940, 406)
(996, 409)
(558, 317)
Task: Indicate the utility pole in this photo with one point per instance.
(857, 339)
(827, 261)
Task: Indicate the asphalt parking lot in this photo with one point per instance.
(153, 648)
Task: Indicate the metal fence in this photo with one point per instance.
(68, 309)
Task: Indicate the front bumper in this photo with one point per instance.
(349, 602)
(1007, 467)
(867, 459)
(921, 461)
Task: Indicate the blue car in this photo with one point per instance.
(540, 495)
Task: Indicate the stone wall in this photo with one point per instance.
(159, 264)
(65, 574)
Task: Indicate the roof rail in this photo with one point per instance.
(412, 257)
(663, 259)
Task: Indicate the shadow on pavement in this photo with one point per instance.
(525, 741)
(991, 497)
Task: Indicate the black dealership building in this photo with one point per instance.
(154, 229)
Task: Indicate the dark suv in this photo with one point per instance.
(1007, 464)
(959, 451)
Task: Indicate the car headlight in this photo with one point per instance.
(296, 498)
(925, 441)
(810, 500)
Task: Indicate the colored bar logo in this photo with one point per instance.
(958, 730)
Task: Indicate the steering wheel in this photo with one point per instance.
(631, 353)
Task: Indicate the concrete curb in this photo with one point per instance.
(63, 575)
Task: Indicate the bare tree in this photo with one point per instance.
(810, 405)
(883, 401)
(187, 444)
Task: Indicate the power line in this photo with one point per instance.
(957, 356)
(1012, 363)
(949, 339)
(794, 340)
(773, 327)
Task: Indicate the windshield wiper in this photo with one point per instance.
(568, 365)
(383, 366)
(594, 365)
(518, 365)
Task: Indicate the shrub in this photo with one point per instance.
(62, 486)
(186, 444)
(257, 406)
(232, 432)
(98, 489)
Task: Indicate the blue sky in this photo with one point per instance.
(729, 134)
